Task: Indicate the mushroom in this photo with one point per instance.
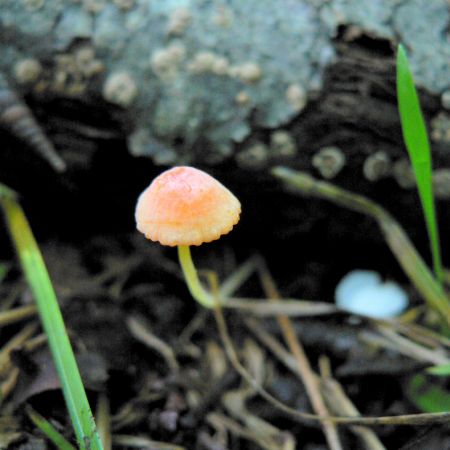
(184, 206)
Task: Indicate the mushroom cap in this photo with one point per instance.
(186, 206)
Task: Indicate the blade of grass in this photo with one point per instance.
(49, 430)
(440, 371)
(40, 284)
(416, 140)
(427, 395)
(3, 271)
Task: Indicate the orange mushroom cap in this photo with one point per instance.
(186, 206)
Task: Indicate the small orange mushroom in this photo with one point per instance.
(185, 206)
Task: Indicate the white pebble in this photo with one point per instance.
(362, 292)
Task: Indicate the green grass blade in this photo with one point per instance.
(49, 430)
(440, 371)
(39, 281)
(416, 140)
(427, 395)
(3, 271)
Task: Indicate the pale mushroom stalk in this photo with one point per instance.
(190, 275)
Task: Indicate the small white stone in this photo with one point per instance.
(362, 292)
(353, 282)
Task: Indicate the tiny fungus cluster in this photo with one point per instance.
(184, 206)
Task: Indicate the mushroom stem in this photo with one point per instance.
(190, 275)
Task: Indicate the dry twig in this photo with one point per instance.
(308, 376)
(339, 403)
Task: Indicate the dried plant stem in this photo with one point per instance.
(291, 363)
(139, 331)
(301, 417)
(280, 352)
(390, 339)
(307, 375)
(14, 343)
(339, 403)
(288, 307)
(397, 240)
(16, 314)
(125, 440)
(103, 415)
(240, 369)
(9, 383)
(59, 441)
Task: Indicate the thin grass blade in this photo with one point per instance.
(440, 371)
(41, 286)
(49, 430)
(416, 140)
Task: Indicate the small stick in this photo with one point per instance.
(15, 342)
(125, 440)
(140, 332)
(339, 403)
(392, 340)
(17, 314)
(9, 383)
(104, 420)
(288, 307)
(289, 361)
(308, 376)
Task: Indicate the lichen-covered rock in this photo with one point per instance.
(194, 71)
(422, 26)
